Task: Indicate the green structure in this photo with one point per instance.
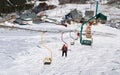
(97, 16)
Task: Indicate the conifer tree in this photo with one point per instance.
(18, 2)
(3, 3)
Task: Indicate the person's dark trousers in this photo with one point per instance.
(64, 52)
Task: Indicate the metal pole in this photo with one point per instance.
(96, 8)
(91, 3)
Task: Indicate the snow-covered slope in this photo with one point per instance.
(24, 54)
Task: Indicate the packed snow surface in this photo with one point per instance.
(22, 53)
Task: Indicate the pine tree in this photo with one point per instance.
(3, 3)
(18, 2)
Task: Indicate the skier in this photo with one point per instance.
(64, 50)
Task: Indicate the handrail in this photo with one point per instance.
(71, 36)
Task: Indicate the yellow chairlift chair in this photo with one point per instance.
(47, 60)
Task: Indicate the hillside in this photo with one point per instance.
(22, 51)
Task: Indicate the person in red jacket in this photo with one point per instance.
(64, 50)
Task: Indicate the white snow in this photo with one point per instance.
(22, 53)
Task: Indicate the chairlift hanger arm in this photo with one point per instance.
(43, 44)
(62, 37)
(71, 36)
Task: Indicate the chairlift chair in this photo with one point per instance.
(72, 43)
(89, 42)
(86, 41)
(97, 16)
(47, 60)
